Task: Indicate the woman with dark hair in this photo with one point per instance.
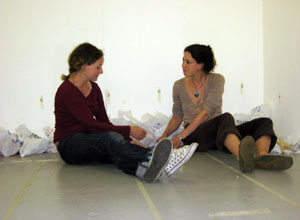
(84, 134)
(197, 102)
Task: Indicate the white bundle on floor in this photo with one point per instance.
(153, 124)
(9, 143)
(29, 143)
(287, 145)
(32, 143)
(264, 110)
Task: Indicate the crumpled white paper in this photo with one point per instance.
(154, 124)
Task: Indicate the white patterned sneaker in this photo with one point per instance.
(179, 157)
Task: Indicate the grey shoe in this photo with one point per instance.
(159, 160)
(273, 162)
(247, 150)
(179, 157)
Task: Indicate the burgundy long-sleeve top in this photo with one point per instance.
(75, 113)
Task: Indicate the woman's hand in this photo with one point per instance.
(137, 132)
(138, 143)
(176, 142)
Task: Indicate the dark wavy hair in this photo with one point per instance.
(85, 53)
(202, 54)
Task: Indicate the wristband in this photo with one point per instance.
(181, 138)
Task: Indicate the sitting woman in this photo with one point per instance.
(83, 132)
(197, 101)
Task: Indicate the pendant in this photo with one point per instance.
(196, 93)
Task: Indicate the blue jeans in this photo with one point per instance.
(108, 147)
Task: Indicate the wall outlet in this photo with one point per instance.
(158, 95)
(242, 88)
(107, 96)
(41, 102)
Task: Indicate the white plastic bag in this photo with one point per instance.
(150, 139)
(154, 122)
(155, 125)
(34, 146)
(241, 118)
(264, 110)
(49, 132)
(31, 143)
(9, 143)
(294, 141)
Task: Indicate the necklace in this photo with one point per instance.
(196, 93)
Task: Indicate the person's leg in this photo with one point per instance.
(263, 145)
(126, 156)
(82, 148)
(108, 147)
(261, 130)
(221, 133)
(211, 135)
(112, 147)
(244, 151)
(232, 143)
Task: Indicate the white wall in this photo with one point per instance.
(36, 39)
(152, 36)
(143, 43)
(281, 67)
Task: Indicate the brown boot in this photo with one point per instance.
(273, 162)
(247, 150)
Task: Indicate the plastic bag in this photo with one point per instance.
(155, 125)
(34, 146)
(264, 110)
(49, 132)
(150, 139)
(156, 121)
(9, 143)
(241, 118)
(31, 143)
(293, 140)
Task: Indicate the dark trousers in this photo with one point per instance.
(211, 134)
(108, 147)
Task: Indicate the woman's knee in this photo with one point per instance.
(114, 136)
(264, 122)
(267, 121)
(227, 116)
(66, 158)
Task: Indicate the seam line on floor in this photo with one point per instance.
(38, 161)
(22, 192)
(150, 203)
(256, 182)
(21, 161)
(241, 213)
